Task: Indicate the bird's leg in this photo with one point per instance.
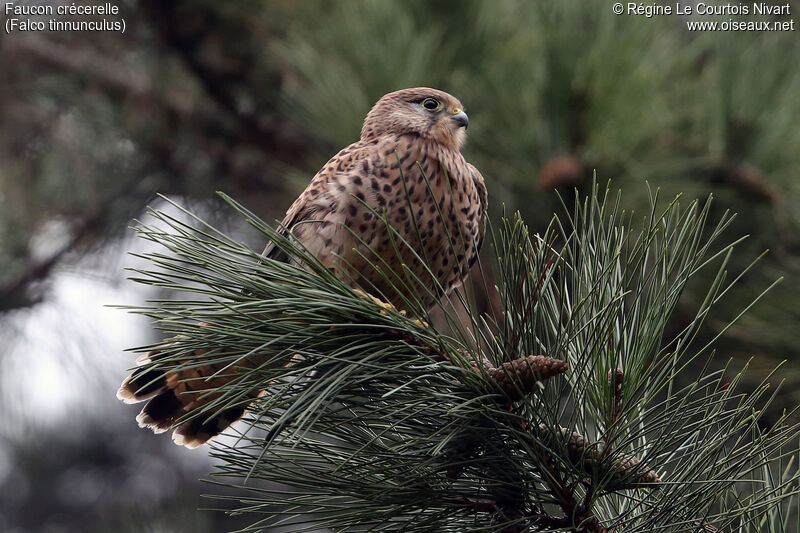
(387, 307)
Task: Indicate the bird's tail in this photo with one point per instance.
(173, 393)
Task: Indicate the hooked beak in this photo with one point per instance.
(461, 119)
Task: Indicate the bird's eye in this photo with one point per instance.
(430, 104)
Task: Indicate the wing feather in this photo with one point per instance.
(328, 194)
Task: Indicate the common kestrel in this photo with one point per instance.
(406, 171)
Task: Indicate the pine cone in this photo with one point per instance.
(567, 171)
(517, 378)
(625, 465)
(626, 471)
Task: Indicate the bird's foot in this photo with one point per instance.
(386, 307)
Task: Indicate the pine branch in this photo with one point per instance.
(378, 420)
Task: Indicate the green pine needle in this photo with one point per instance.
(383, 424)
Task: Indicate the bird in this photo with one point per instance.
(403, 181)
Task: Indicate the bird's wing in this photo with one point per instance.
(329, 192)
(483, 197)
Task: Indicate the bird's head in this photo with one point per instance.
(429, 113)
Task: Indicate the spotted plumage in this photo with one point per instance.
(406, 169)
(399, 214)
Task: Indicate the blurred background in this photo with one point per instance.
(251, 98)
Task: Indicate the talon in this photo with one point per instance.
(418, 322)
(367, 296)
(388, 307)
(362, 294)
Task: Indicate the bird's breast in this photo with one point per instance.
(416, 224)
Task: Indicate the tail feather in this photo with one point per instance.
(161, 412)
(200, 430)
(143, 384)
(174, 393)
